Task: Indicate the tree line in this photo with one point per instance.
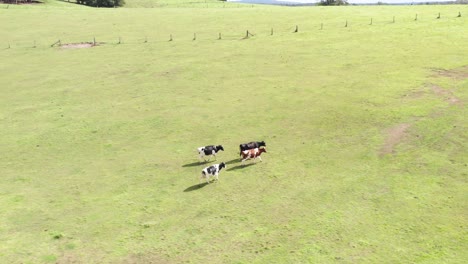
(332, 2)
(94, 3)
(18, 1)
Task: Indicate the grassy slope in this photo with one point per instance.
(98, 145)
(177, 3)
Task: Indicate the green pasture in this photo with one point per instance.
(365, 128)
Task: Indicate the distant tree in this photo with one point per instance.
(333, 2)
(102, 3)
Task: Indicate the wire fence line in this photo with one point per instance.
(204, 36)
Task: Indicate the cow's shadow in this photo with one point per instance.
(232, 161)
(195, 164)
(196, 187)
(200, 163)
(239, 167)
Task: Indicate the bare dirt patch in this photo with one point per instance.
(68, 258)
(445, 94)
(416, 94)
(146, 258)
(82, 45)
(85, 256)
(458, 73)
(394, 136)
(168, 74)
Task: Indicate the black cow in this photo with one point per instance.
(209, 151)
(251, 145)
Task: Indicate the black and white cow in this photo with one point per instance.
(212, 171)
(209, 151)
(251, 145)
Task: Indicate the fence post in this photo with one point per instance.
(170, 37)
(194, 36)
(459, 14)
(58, 42)
(94, 41)
(120, 41)
(219, 36)
(297, 29)
(272, 31)
(346, 25)
(438, 16)
(370, 21)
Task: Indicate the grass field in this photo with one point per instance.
(365, 128)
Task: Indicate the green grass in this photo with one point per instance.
(179, 4)
(98, 145)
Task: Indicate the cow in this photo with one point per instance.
(251, 145)
(209, 151)
(212, 170)
(252, 154)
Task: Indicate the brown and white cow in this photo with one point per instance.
(252, 154)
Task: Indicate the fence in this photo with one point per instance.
(95, 41)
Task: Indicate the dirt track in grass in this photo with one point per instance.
(394, 136)
(457, 73)
(83, 45)
(397, 133)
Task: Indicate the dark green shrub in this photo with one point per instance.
(103, 3)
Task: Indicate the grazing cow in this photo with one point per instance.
(252, 154)
(212, 170)
(251, 145)
(209, 151)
